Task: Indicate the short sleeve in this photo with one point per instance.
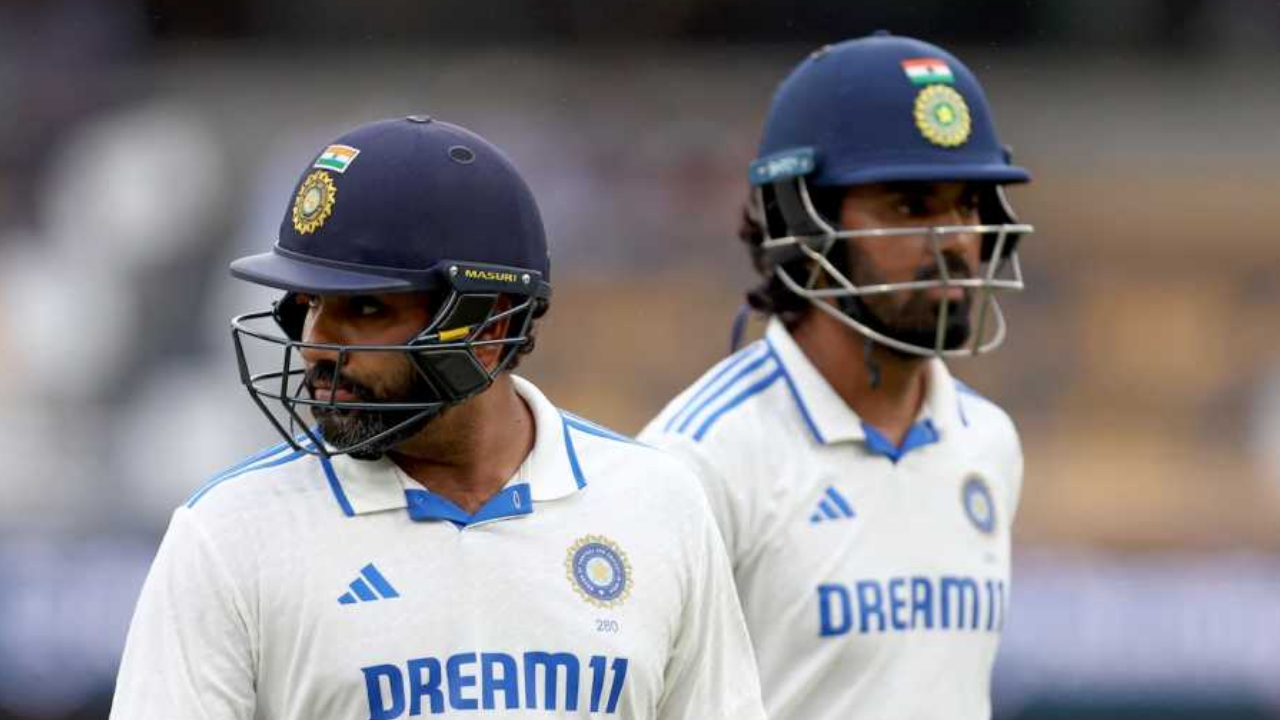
(712, 672)
(189, 652)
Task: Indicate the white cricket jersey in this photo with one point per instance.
(593, 585)
(874, 578)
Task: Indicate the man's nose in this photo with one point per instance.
(321, 328)
(958, 241)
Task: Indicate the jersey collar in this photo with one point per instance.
(829, 418)
(551, 472)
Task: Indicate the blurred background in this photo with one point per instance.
(146, 144)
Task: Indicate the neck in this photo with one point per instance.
(470, 451)
(839, 353)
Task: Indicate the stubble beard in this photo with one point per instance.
(914, 321)
(350, 428)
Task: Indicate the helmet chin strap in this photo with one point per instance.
(853, 307)
(873, 365)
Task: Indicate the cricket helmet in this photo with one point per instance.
(883, 109)
(406, 205)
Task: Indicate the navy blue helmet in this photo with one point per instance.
(407, 205)
(882, 109)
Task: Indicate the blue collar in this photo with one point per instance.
(511, 501)
(830, 420)
(918, 435)
(554, 471)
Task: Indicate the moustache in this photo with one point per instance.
(325, 372)
(957, 269)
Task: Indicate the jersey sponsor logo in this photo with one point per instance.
(376, 587)
(483, 681)
(975, 496)
(912, 604)
(599, 571)
(832, 506)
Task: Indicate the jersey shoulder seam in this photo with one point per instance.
(273, 457)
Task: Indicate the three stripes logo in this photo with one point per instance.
(832, 506)
(377, 587)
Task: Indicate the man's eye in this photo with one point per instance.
(913, 207)
(366, 306)
(310, 301)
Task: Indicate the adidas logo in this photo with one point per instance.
(377, 587)
(833, 506)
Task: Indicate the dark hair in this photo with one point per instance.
(771, 296)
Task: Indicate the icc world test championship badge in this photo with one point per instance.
(942, 116)
(314, 202)
(599, 571)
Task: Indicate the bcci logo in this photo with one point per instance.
(978, 505)
(314, 202)
(599, 570)
(942, 116)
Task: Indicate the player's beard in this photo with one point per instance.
(345, 428)
(915, 321)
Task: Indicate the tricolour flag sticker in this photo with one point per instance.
(928, 71)
(337, 158)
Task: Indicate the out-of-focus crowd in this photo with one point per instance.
(139, 156)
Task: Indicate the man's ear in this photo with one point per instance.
(490, 355)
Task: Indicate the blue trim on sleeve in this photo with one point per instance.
(754, 389)
(732, 384)
(693, 406)
(795, 395)
(336, 487)
(260, 455)
(590, 428)
(267, 461)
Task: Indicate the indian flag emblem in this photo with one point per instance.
(337, 158)
(928, 71)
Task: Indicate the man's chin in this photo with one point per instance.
(954, 338)
(374, 433)
(923, 333)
